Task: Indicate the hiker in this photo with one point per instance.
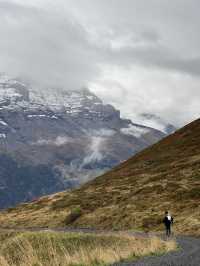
(168, 221)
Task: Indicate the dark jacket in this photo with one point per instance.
(168, 222)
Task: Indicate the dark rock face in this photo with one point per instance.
(57, 139)
(24, 182)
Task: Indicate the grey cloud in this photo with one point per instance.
(159, 57)
(70, 43)
(43, 48)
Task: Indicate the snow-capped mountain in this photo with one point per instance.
(54, 139)
(16, 95)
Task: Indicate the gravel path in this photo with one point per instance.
(188, 255)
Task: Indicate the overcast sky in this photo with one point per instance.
(141, 56)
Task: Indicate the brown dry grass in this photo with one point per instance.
(63, 249)
(134, 195)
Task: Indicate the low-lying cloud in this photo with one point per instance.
(97, 142)
(95, 151)
(58, 141)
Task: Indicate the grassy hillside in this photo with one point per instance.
(63, 249)
(133, 195)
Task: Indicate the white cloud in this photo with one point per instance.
(172, 95)
(97, 144)
(134, 131)
(94, 154)
(58, 141)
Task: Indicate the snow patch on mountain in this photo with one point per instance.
(3, 123)
(72, 102)
(42, 116)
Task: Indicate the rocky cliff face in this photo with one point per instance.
(55, 139)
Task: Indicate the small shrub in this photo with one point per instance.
(73, 216)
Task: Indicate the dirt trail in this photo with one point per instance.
(188, 255)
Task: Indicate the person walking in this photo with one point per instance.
(168, 221)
